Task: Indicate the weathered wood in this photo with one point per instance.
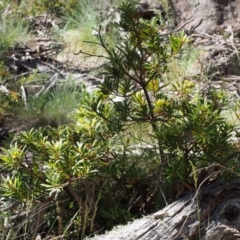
(212, 213)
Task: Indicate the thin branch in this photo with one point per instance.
(90, 55)
(75, 196)
(179, 28)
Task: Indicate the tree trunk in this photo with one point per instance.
(207, 15)
(212, 213)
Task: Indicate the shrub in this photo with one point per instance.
(187, 125)
(92, 160)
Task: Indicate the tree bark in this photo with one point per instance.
(212, 212)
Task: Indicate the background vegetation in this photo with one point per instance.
(90, 160)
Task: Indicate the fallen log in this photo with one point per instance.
(212, 212)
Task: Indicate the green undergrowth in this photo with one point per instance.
(48, 109)
(80, 24)
(13, 30)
